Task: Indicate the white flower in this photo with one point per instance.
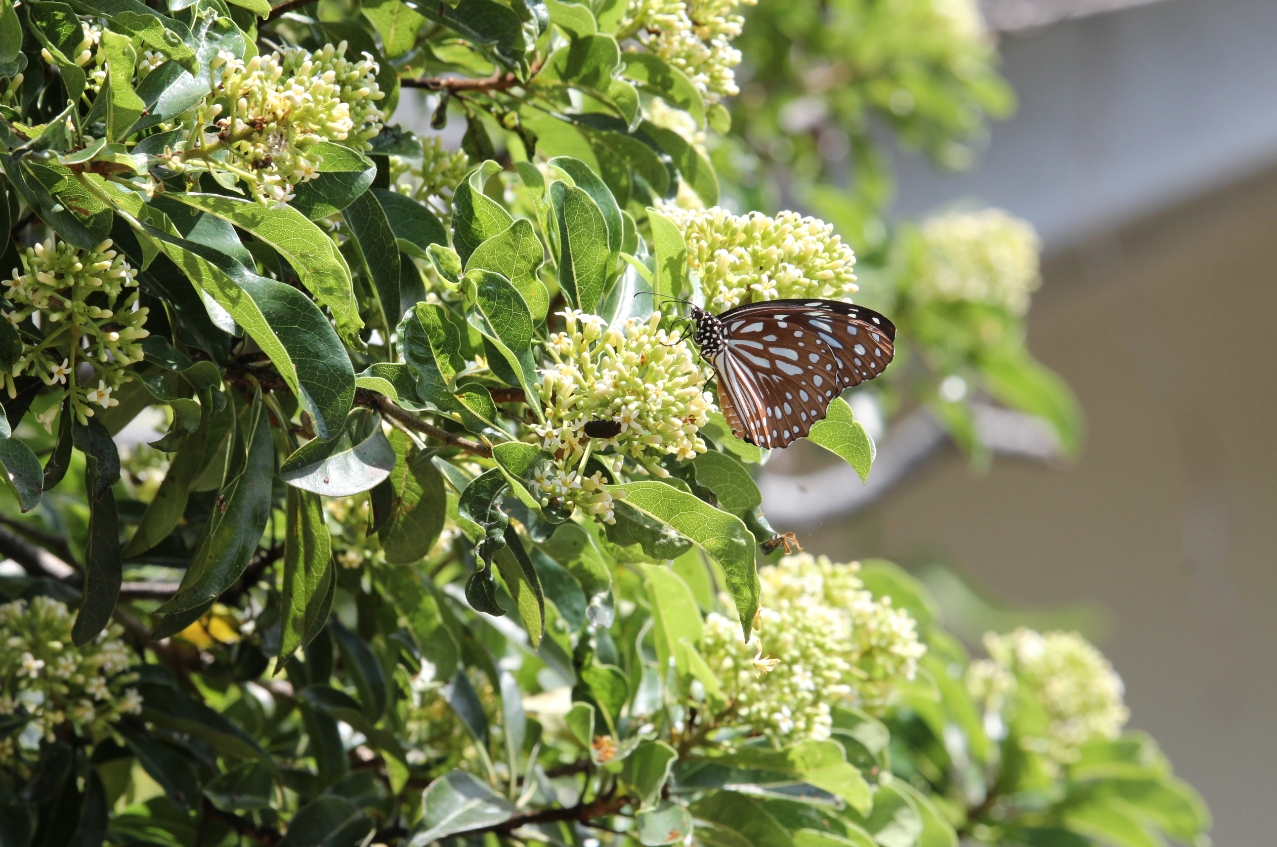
(101, 395)
(986, 257)
(130, 703)
(47, 417)
(31, 666)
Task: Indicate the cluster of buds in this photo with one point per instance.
(987, 257)
(54, 686)
(272, 110)
(750, 258)
(569, 489)
(431, 179)
(822, 639)
(638, 376)
(76, 307)
(694, 36)
(1055, 687)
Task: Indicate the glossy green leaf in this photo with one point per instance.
(936, 831)
(585, 256)
(670, 251)
(485, 23)
(517, 255)
(344, 174)
(1020, 382)
(103, 569)
(411, 222)
(395, 380)
(237, 522)
(420, 505)
(283, 321)
(743, 818)
(479, 513)
(894, 820)
(647, 769)
(308, 569)
(502, 316)
(575, 19)
(727, 478)
(816, 838)
(245, 787)
(588, 181)
(842, 435)
(822, 764)
(310, 251)
(23, 473)
(57, 28)
(328, 821)
(420, 606)
(1170, 804)
(10, 34)
(522, 464)
(125, 104)
(356, 460)
(588, 63)
(580, 723)
(1113, 822)
(573, 549)
(376, 240)
(654, 76)
(608, 688)
(459, 802)
(151, 31)
(166, 766)
(675, 615)
(722, 536)
(695, 169)
(668, 823)
(397, 23)
(476, 217)
(523, 584)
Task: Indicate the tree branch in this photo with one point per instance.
(581, 813)
(497, 82)
(266, 836)
(52, 542)
(284, 8)
(37, 562)
(387, 407)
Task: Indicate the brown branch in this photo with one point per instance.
(497, 82)
(148, 590)
(37, 562)
(387, 407)
(266, 836)
(507, 395)
(54, 543)
(583, 814)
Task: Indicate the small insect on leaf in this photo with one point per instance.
(786, 540)
(602, 429)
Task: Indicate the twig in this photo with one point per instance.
(284, 8)
(148, 590)
(253, 573)
(580, 813)
(497, 82)
(48, 540)
(388, 408)
(37, 562)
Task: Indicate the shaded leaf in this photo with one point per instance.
(585, 256)
(523, 584)
(841, 434)
(458, 802)
(502, 316)
(420, 504)
(308, 570)
(356, 460)
(344, 174)
(420, 606)
(328, 821)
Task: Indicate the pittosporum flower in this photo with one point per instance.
(694, 36)
(822, 639)
(272, 110)
(987, 257)
(74, 306)
(53, 685)
(750, 258)
(638, 375)
(432, 178)
(1070, 681)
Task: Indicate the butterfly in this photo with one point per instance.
(780, 363)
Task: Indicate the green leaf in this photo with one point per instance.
(670, 251)
(727, 478)
(608, 688)
(125, 105)
(588, 63)
(816, 838)
(307, 248)
(421, 607)
(865, 730)
(476, 217)
(822, 764)
(431, 345)
(308, 570)
(580, 723)
(158, 33)
(1112, 822)
(376, 240)
(502, 316)
(420, 503)
(414, 225)
(695, 169)
(57, 28)
(10, 34)
(363, 666)
(479, 513)
(668, 823)
(524, 585)
(573, 549)
(344, 174)
(1017, 380)
(647, 769)
(103, 569)
(244, 787)
(485, 23)
(356, 460)
(723, 537)
(458, 802)
(396, 23)
(23, 474)
(655, 76)
(742, 817)
(721, 432)
(886, 579)
(675, 615)
(522, 464)
(283, 321)
(237, 522)
(169, 503)
(588, 181)
(328, 821)
(842, 435)
(575, 19)
(517, 255)
(585, 256)
(166, 766)
(894, 820)
(936, 831)
(1169, 803)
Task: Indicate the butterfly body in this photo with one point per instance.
(780, 363)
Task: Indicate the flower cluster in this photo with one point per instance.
(432, 178)
(749, 258)
(639, 376)
(987, 257)
(54, 685)
(1060, 673)
(83, 302)
(823, 639)
(963, 17)
(272, 110)
(694, 36)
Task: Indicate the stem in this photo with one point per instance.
(497, 82)
(388, 408)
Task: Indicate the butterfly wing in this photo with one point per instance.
(783, 362)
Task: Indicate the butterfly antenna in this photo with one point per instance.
(666, 296)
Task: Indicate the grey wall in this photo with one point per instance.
(1121, 114)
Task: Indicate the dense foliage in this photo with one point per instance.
(444, 537)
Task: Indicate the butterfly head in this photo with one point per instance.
(709, 335)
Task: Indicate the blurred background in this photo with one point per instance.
(1144, 151)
